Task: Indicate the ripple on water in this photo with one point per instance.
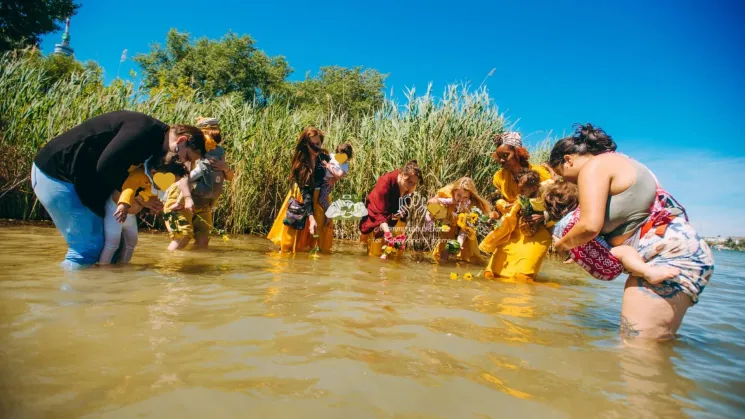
(242, 328)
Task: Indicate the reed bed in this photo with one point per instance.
(450, 135)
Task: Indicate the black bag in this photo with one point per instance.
(295, 216)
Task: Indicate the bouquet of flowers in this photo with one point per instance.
(393, 243)
(475, 222)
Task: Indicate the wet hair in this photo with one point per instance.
(411, 168)
(587, 139)
(345, 148)
(194, 137)
(302, 172)
(560, 199)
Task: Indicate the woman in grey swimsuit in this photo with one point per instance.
(616, 196)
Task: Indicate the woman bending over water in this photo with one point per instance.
(75, 173)
(386, 219)
(522, 254)
(618, 199)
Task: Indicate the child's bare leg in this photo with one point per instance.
(177, 244)
(633, 262)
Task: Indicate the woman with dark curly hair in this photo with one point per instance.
(620, 200)
(520, 256)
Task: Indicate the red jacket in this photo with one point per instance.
(382, 203)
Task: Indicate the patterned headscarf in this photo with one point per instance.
(512, 138)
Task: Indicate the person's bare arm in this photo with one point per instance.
(594, 189)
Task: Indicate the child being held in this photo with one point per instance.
(120, 221)
(518, 214)
(336, 168)
(206, 179)
(562, 203)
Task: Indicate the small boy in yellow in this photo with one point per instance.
(120, 220)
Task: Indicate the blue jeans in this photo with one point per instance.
(81, 228)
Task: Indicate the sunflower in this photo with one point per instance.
(474, 218)
(468, 276)
(453, 276)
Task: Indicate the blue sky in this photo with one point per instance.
(665, 78)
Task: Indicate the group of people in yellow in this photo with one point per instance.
(609, 210)
(516, 246)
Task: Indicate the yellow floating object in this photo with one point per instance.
(453, 276)
(468, 276)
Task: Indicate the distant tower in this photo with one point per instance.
(64, 48)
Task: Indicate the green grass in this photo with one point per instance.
(450, 135)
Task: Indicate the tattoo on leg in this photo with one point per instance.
(628, 329)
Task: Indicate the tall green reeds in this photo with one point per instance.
(450, 135)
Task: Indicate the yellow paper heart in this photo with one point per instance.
(340, 158)
(438, 211)
(164, 180)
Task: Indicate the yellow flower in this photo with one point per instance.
(225, 238)
(474, 218)
(453, 276)
(468, 276)
(445, 228)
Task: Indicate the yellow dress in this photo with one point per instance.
(292, 240)
(515, 255)
(470, 252)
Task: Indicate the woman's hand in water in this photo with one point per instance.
(312, 225)
(121, 212)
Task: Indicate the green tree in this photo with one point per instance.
(23, 22)
(730, 243)
(58, 67)
(216, 68)
(353, 91)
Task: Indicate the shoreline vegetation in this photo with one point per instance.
(450, 135)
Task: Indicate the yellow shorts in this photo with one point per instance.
(183, 223)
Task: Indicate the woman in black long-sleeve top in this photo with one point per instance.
(74, 173)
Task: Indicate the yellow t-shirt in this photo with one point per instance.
(137, 180)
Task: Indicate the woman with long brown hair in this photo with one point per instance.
(301, 223)
(458, 197)
(522, 255)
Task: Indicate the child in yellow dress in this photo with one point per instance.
(454, 200)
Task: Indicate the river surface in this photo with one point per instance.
(241, 331)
